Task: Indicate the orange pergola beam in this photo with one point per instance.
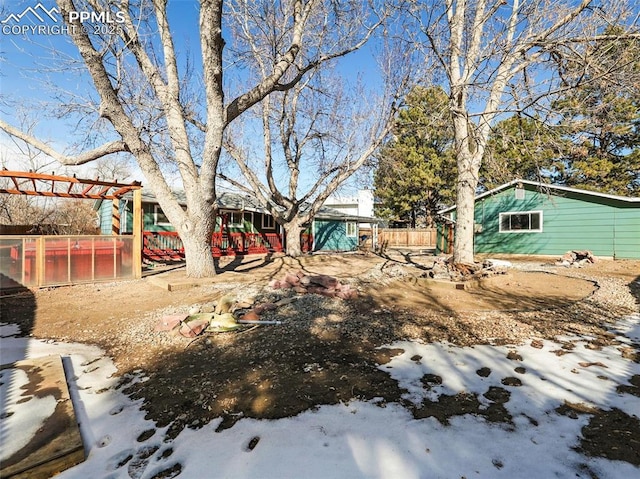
(120, 188)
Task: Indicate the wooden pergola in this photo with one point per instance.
(55, 186)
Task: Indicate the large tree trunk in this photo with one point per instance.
(293, 231)
(469, 156)
(196, 238)
(465, 201)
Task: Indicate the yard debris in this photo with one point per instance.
(222, 322)
(444, 268)
(576, 258)
(322, 284)
(225, 304)
(258, 321)
(232, 313)
(222, 319)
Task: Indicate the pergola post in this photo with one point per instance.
(137, 233)
(115, 216)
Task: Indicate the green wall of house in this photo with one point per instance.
(105, 217)
(153, 220)
(570, 221)
(331, 235)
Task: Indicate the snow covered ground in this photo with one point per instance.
(359, 439)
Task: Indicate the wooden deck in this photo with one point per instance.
(56, 444)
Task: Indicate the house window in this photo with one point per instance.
(521, 222)
(268, 223)
(236, 219)
(352, 230)
(159, 218)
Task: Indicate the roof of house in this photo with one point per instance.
(547, 186)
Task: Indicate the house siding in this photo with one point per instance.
(105, 217)
(627, 233)
(331, 235)
(572, 221)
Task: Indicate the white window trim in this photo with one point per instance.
(540, 212)
(235, 225)
(273, 222)
(355, 229)
(155, 216)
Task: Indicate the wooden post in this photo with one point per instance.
(137, 233)
(115, 216)
(40, 261)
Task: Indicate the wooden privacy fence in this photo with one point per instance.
(407, 237)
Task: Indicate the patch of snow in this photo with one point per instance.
(22, 415)
(499, 263)
(368, 439)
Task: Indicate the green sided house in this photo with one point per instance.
(242, 227)
(526, 217)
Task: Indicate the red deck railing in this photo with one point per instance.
(167, 245)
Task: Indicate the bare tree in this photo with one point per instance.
(25, 210)
(76, 217)
(315, 136)
(111, 168)
(499, 56)
(169, 116)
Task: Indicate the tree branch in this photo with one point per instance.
(272, 82)
(117, 146)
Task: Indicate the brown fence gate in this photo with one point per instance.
(414, 237)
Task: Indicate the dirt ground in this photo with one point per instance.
(327, 350)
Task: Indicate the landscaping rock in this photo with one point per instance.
(191, 329)
(576, 258)
(167, 323)
(322, 284)
(324, 281)
(291, 279)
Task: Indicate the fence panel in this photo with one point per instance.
(408, 237)
(58, 260)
